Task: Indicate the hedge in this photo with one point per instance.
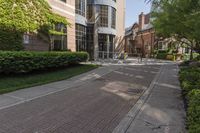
(190, 79)
(23, 62)
(161, 56)
(190, 82)
(193, 111)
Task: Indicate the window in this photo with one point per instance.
(80, 38)
(30, 38)
(160, 45)
(102, 39)
(103, 45)
(89, 12)
(80, 7)
(61, 28)
(113, 25)
(90, 1)
(60, 41)
(103, 15)
(26, 39)
(90, 40)
(64, 1)
(102, 42)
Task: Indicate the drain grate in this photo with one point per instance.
(135, 91)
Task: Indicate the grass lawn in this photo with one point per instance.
(10, 83)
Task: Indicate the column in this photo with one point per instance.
(95, 39)
(108, 45)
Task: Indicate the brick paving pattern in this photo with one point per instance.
(95, 107)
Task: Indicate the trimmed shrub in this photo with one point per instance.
(22, 62)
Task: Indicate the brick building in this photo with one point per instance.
(140, 37)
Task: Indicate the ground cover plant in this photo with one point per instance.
(13, 82)
(190, 83)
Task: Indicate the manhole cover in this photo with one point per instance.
(135, 91)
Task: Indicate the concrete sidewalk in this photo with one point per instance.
(131, 61)
(160, 109)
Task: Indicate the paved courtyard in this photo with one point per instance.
(95, 102)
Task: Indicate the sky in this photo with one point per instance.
(133, 9)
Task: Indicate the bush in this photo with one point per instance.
(162, 55)
(190, 79)
(190, 82)
(193, 111)
(170, 57)
(162, 51)
(187, 56)
(197, 58)
(20, 62)
(10, 40)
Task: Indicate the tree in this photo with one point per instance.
(20, 16)
(179, 19)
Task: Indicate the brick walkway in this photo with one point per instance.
(90, 107)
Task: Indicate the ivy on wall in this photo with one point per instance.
(20, 16)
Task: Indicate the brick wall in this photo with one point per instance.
(36, 44)
(145, 41)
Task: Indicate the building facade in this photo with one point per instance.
(99, 23)
(96, 27)
(38, 42)
(66, 8)
(130, 43)
(140, 38)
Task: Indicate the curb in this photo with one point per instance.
(130, 117)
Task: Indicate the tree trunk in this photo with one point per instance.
(191, 52)
(51, 42)
(143, 50)
(198, 47)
